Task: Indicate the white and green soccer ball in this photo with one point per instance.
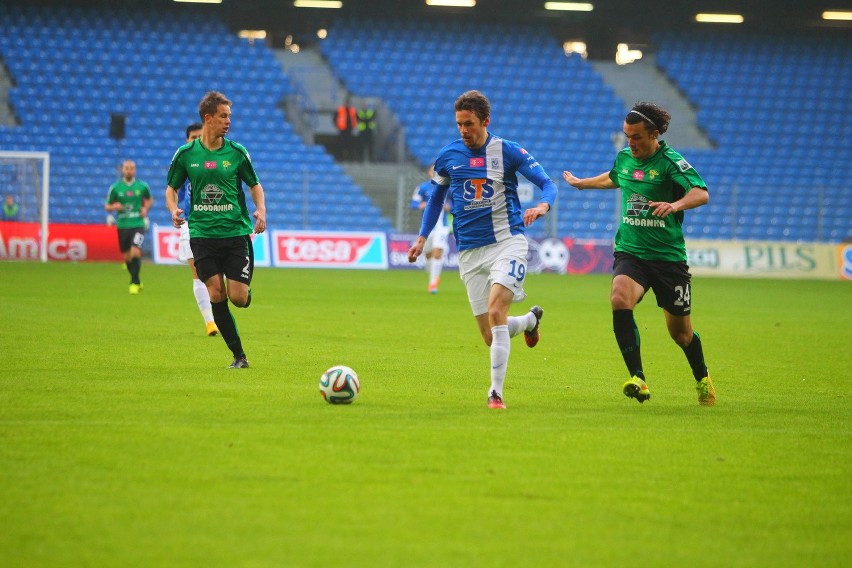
(339, 385)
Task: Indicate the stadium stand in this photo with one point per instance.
(73, 67)
(556, 106)
(775, 106)
(774, 109)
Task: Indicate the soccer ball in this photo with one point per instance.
(339, 385)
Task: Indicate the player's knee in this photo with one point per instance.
(620, 301)
(682, 337)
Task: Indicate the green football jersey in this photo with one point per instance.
(665, 176)
(217, 200)
(131, 198)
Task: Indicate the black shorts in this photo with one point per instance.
(233, 257)
(670, 281)
(130, 238)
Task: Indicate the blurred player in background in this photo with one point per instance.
(202, 297)
(220, 232)
(438, 240)
(479, 170)
(130, 199)
(657, 186)
(10, 209)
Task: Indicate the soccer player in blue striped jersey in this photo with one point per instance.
(479, 170)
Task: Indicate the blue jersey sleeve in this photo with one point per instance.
(183, 200)
(528, 167)
(433, 209)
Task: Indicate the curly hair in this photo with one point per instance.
(654, 117)
(475, 102)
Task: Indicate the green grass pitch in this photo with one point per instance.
(125, 441)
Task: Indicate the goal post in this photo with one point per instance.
(26, 177)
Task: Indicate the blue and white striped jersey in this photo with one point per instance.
(483, 185)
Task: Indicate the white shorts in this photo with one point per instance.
(184, 250)
(502, 263)
(437, 239)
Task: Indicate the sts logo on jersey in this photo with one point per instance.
(478, 192)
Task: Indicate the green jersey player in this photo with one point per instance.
(657, 186)
(130, 199)
(220, 226)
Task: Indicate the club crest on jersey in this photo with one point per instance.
(637, 205)
(495, 163)
(210, 165)
(478, 193)
(226, 164)
(210, 197)
(477, 162)
(638, 174)
(211, 194)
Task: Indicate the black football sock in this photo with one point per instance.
(627, 337)
(227, 327)
(695, 355)
(134, 266)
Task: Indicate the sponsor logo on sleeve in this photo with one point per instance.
(683, 165)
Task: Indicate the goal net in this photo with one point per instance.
(25, 176)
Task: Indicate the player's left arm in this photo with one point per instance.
(147, 202)
(259, 199)
(533, 171)
(695, 197)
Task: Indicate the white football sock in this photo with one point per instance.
(202, 298)
(517, 324)
(500, 346)
(437, 264)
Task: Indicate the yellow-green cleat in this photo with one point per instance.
(636, 388)
(706, 392)
(135, 288)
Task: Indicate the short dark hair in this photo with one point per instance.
(192, 127)
(475, 102)
(654, 117)
(210, 103)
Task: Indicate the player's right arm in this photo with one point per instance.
(175, 178)
(112, 203)
(172, 206)
(416, 249)
(602, 181)
(431, 213)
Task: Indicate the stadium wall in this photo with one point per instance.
(381, 251)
